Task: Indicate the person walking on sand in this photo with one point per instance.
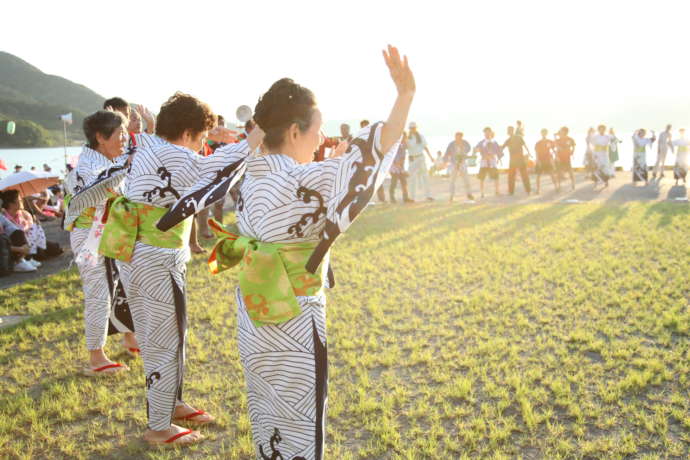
(680, 170)
(456, 155)
(518, 160)
(398, 173)
(419, 174)
(490, 153)
(640, 143)
(602, 165)
(665, 143)
(545, 149)
(613, 148)
(565, 147)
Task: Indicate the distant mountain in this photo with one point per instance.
(26, 93)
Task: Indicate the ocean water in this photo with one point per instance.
(53, 156)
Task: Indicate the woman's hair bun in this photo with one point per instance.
(284, 103)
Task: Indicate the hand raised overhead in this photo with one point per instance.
(400, 71)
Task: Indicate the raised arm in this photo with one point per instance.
(404, 83)
(217, 174)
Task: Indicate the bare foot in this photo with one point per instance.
(160, 437)
(196, 249)
(184, 413)
(129, 340)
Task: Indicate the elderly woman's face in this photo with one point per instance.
(113, 146)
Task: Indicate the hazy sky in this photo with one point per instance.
(481, 62)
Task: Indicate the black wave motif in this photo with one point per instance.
(165, 175)
(360, 191)
(306, 195)
(196, 201)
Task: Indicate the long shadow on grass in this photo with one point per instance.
(542, 217)
(614, 207)
(667, 211)
(449, 222)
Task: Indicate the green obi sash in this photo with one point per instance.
(683, 148)
(84, 220)
(640, 148)
(601, 148)
(127, 222)
(271, 274)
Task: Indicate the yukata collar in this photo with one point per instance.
(269, 163)
(91, 152)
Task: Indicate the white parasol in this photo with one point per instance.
(29, 182)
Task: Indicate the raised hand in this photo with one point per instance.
(402, 76)
(339, 149)
(400, 70)
(222, 135)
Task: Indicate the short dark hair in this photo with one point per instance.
(221, 120)
(283, 104)
(104, 122)
(364, 123)
(117, 103)
(182, 112)
(9, 196)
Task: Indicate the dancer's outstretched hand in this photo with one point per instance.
(400, 70)
(339, 149)
(404, 82)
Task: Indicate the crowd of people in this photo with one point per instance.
(23, 242)
(552, 158)
(143, 185)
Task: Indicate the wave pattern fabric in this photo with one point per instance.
(285, 365)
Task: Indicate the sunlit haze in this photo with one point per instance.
(477, 63)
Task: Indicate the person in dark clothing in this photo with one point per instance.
(398, 173)
(545, 164)
(518, 161)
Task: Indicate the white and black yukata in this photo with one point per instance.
(680, 169)
(102, 315)
(285, 364)
(640, 170)
(603, 171)
(154, 277)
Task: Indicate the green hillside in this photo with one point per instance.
(35, 100)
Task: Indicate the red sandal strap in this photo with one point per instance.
(178, 436)
(107, 366)
(192, 415)
(134, 350)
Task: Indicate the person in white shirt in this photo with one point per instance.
(416, 147)
(680, 170)
(640, 143)
(665, 142)
(600, 143)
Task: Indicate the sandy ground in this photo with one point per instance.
(620, 190)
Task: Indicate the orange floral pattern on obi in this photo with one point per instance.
(271, 275)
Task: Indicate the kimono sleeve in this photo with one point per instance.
(97, 192)
(345, 185)
(217, 175)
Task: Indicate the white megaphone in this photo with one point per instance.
(244, 113)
